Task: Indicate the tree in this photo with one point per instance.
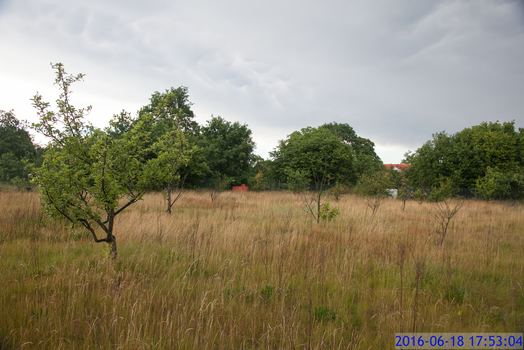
(120, 124)
(465, 157)
(16, 149)
(497, 184)
(261, 174)
(228, 150)
(374, 186)
(87, 176)
(430, 162)
(170, 121)
(445, 208)
(173, 154)
(405, 190)
(366, 160)
(169, 108)
(314, 159)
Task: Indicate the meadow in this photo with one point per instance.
(252, 270)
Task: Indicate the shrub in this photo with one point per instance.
(328, 213)
(498, 184)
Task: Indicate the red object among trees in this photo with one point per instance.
(397, 167)
(240, 188)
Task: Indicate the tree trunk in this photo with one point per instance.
(169, 190)
(318, 205)
(111, 239)
(113, 250)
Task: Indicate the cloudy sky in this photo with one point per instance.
(397, 71)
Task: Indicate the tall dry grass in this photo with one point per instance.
(252, 270)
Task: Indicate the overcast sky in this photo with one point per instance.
(397, 71)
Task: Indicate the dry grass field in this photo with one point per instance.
(252, 270)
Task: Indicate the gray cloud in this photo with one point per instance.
(395, 73)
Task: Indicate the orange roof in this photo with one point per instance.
(401, 166)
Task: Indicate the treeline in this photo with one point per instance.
(485, 161)
(170, 151)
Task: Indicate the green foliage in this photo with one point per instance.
(441, 191)
(327, 212)
(497, 184)
(173, 153)
(11, 168)
(317, 156)
(374, 184)
(324, 314)
(228, 150)
(365, 158)
(169, 109)
(466, 156)
(167, 115)
(338, 189)
(87, 176)
(297, 180)
(267, 293)
(420, 195)
(17, 152)
(120, 124)
(314, 159)
(455, 292)
(405, 189)
(261, 174)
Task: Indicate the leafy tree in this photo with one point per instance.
(465, 157)
(261, 176)
(405, 189)
(497, 184)
(314, 159)
(228, 150)
(170, 121)
(374, 184)
(16, 149)
(173, 154)
(319, 153)
(169, 108)
(120, 124)
(430, 162)
(366, 160)
(87, 176)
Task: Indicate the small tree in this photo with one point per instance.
(87, 177)
(171, 126)
(219, 183)
(298, 182)
(312, 160)
(405, 190)
(374, 186)
(173, 153)
(445, 210)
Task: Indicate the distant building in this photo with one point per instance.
(397, 167)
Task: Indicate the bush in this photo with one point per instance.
(374, 184)
(328, 213)
(338, 190)
(441, 191)
(497, 184)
